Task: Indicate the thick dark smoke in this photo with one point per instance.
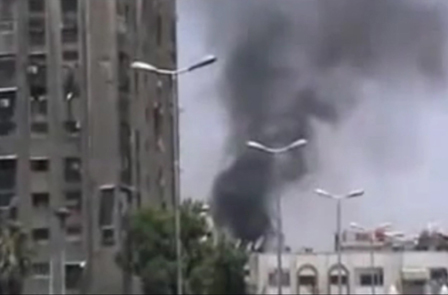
(284, 58)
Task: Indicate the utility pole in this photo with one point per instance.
(87, 185)
(56, 105)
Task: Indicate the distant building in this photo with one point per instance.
(415, 272)
(413, 268)
(78, 128)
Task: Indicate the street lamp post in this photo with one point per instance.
(339, 199)
(371, 232)
(277, 151)
(173, 74)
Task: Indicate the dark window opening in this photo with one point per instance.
(7, 127)
(40, 165)
(74, 232)
(41, 269)
(39, 127)
(69, 6)
(40, 199)
(73, 276)
(72, 171)
(7, 110)
(334, 279)
(107, 207)
(307, 280)
(41, 235)
(285, 278)
(36, 31)
(8, 174)
(439, 274)
(124, 79)
(37, 38)
(36, 5)
(13, 213)
(39, 105)
(107, 237)
(70, 34)
(7, 71)
(72, 127)
(6, 10)
(70, 55)
(6, 199)
(7, 103)
(370, 278)
(74, 200)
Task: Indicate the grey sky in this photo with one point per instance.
(409, 192)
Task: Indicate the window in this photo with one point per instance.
(70, 55)
(6, 10)
(39, 105)
(285, 278)
(40, 164)
(8, 172)
(69, 5)
(72, 169)
(369, 277)
(74, 233)
(36, 5)
(40, 199)
(307, 280)
(74, 200)
(107, 236)
(7, 71)
(439, 274)
(70, 34)
(73, 275)
(40, 269)
(39, 127)
(5, 199)
(334, 279)
(41, 235)
(107, 207)
(36, 31)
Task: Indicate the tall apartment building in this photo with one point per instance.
(80, 130)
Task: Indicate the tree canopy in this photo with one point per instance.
(14, 258)
(211, 265)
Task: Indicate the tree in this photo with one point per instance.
(209, 267)
(14, 258)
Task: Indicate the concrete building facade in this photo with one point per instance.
(79, 130)
(411, 272)
(417, 265)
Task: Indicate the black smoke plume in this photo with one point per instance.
(284, 70)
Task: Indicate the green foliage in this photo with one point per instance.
(208, 267)
(14, 259)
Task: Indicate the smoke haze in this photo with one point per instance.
(361, 80)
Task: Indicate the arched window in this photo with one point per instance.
(307, 280)
(333, 279)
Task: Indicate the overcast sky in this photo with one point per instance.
(202, 131)
(408, 198)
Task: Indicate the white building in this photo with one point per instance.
(419, 269)
(412, 272)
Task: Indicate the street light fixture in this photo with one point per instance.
(371, 232)
(276, 151)
(173, 74)
(339, 199)
(207, 60)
